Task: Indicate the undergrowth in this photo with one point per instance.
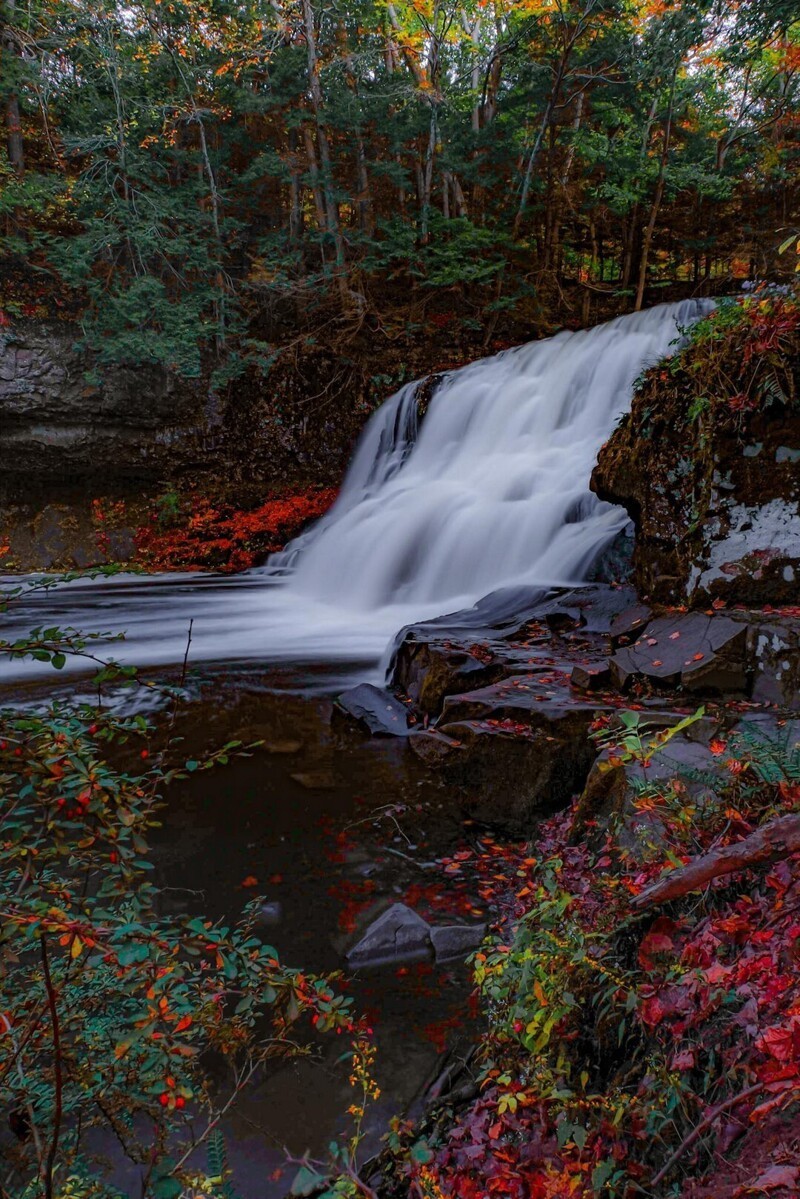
(629, 1051)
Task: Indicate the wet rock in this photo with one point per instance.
(717, 517)
(773, 652)
(627, 626)
(398, 935)
(264, 733)
(591, 676)
(429, 666)
(590, 609)
(452, 941)
(517, 748)
(614, 563)
(375, 710)
(627, 798)
(433, 747)
(282, 748)
(694, 650)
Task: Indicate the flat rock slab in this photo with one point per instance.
(692, 649)
(521, 702)
(399, 935)
(434, 660)
(375, 710)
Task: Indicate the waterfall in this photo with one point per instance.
(492, 489)
(489, 491)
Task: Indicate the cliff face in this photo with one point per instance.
(57, 423)
(708, 463)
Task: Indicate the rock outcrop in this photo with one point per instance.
(62, 417)
(711, 479)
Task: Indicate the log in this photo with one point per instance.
(774, 841)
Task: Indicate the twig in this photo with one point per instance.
(186, 652)
(702, 1127)
(59, 1080)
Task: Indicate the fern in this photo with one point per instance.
(774, 757)
(771, 388)
(218, 1168)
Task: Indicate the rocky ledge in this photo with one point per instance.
(506, 711)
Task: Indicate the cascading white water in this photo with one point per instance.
(489, 492)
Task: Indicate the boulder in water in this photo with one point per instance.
(316, 780)
(399, 935)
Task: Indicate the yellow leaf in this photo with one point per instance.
(76, 948)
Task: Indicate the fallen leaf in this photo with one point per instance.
(771, 1180)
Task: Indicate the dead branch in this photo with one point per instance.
(703, 1126)
(774, 841)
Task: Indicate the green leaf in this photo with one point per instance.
(421, 1152)
(306, 1181)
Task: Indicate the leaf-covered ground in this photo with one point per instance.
(652, 1052)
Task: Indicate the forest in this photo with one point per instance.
(202, 184)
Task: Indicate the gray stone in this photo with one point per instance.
(398, 935)
(629, 624)
(456, 940)
(53, 424)
(375, 710)
(614, 563)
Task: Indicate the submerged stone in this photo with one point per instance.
(396, 936)
(315, 780)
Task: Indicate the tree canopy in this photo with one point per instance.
(189, 175)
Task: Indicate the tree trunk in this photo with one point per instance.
(16, 149)
(427, 180)
(651, 224)
(773, 842)
(313, 170)
(331, 208)
(296, 191)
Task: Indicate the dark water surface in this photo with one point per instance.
(333, 826)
